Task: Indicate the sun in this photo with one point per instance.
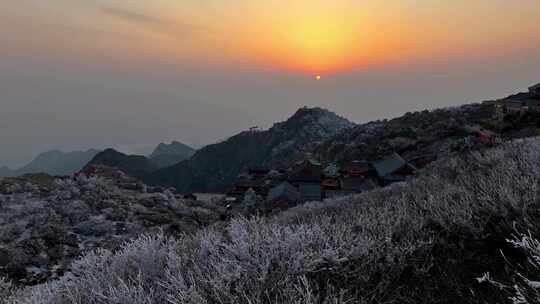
(318, 77)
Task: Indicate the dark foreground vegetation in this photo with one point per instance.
(432, 240)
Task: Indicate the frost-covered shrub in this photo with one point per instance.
(416, 242)
(132, 275)
(523, 286)
(527, 288)
(42, 232)
(6, 288)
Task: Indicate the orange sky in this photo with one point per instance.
(309, 36)
(331, 36)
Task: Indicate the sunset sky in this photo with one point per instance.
(79, 74)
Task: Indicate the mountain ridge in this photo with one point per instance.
(213, 167)
(53, 162)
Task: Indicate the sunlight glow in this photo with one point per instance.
(310, 37)
(324, 38)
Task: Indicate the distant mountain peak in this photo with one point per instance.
(169, 154)
(54, 162)
(52, 153)
(174, 148)
(111, 151)
(316, 121)
(311, 112)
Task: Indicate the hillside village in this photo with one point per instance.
(349, 159)
(317, 176)
(310, 180)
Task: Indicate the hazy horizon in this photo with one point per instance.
(130, 74)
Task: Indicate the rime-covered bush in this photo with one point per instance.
(524, 284)
(527, 288)
(425, 241)
(43, 229)
(6, 288)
